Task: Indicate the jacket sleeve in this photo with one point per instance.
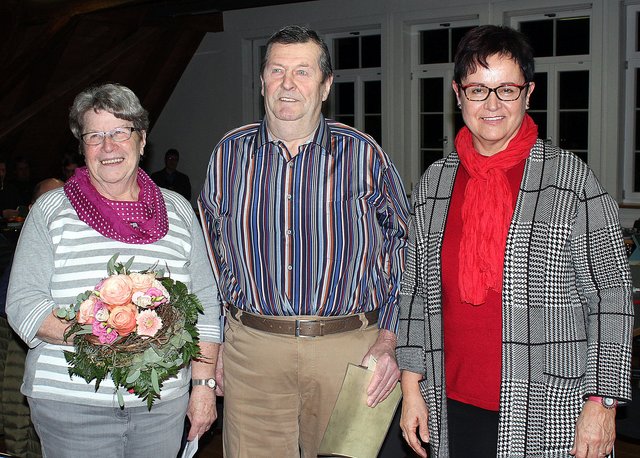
(604, 282)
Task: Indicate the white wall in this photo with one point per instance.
(215, 93)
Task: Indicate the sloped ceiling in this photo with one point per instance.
(52, 49)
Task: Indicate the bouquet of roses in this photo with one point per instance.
(137, 327)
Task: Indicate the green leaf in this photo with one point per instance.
(111, 265)
(133, 376)
(154, 381)
(128, 264)
(120, 398)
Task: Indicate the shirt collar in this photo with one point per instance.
(321, 137)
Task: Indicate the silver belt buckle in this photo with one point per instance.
(299, 322)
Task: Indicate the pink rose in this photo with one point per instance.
(142, 282)
(123, 319)
(105, 334)
(86, 310)
(149, 323)
(116, 290)
(100, 311)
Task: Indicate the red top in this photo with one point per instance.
(472, 334)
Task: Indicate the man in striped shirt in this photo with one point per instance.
(307, 225)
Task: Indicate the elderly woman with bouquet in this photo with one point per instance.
(70, 237)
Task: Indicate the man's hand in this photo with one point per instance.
(220, 372)
(201, 411)
(386, 374)
(595, 431)
(415, 414)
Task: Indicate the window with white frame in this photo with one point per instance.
(632, 106)
(356, 96)
(561, 104)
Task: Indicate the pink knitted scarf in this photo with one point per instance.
(141, 222)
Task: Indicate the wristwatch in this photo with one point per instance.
(210, 382)
(607, 403)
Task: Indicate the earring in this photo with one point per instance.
(459, 105)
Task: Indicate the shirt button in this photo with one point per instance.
(289, 196)
(290, 165)
(289, 232)
(289, 267)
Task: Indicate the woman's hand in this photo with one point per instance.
(52, 331)
(595, 431)
(414, 421)
(201, 411)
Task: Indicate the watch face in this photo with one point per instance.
(211, 383)
(608, 402)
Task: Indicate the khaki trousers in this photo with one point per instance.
(280, 390)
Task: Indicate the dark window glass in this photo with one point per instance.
(574, 90)
(582, 155)
(538, 100)
(432, 129)
(344, 96)
(540, 118)
(636, 174)
(429, 157)
(431, 94)
(637, 31)
(434, 46)
(637, 145)
(540, 34)
(347, 53)
(456, 35)
(637, 88)
(371, 53)
(574, 130)
(573, 36)
(349, 120)
(373, 126)
(372, 97)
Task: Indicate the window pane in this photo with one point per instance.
(373, 127)
(540, 118)
(429, 157)
(346, 53)
(434, 46)
(345, 119)
(538, 100)
(540, 34)
(431, 126)
(574, 90)
(371, 54)
(344, 97)
(637, 124)
(372, 97)
(431, 94)
(636, 175)
(574, 130)
(456, 35)
(573, 36)
(637, 32)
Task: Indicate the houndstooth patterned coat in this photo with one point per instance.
(567, 314)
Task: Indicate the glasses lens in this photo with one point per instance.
(508, 92)
(120, 134)
(476, 93)
(93, 138)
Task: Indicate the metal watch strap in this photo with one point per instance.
(210, 382)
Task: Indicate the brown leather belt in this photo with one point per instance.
(305, 327)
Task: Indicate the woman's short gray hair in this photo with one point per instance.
(116, 99)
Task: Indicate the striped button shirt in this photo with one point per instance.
(320, 233)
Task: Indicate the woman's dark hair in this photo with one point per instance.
(481, 42)
(292, 34)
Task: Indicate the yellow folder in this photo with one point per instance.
(356, 430)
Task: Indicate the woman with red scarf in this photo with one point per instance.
(109, 207)
(516, 313)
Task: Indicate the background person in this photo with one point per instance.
(516, 313)
(170, 178)
(307, 221)
(110, 206)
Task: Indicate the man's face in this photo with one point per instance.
(292, 84)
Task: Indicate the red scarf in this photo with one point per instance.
(141, 222)
(487, 211)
